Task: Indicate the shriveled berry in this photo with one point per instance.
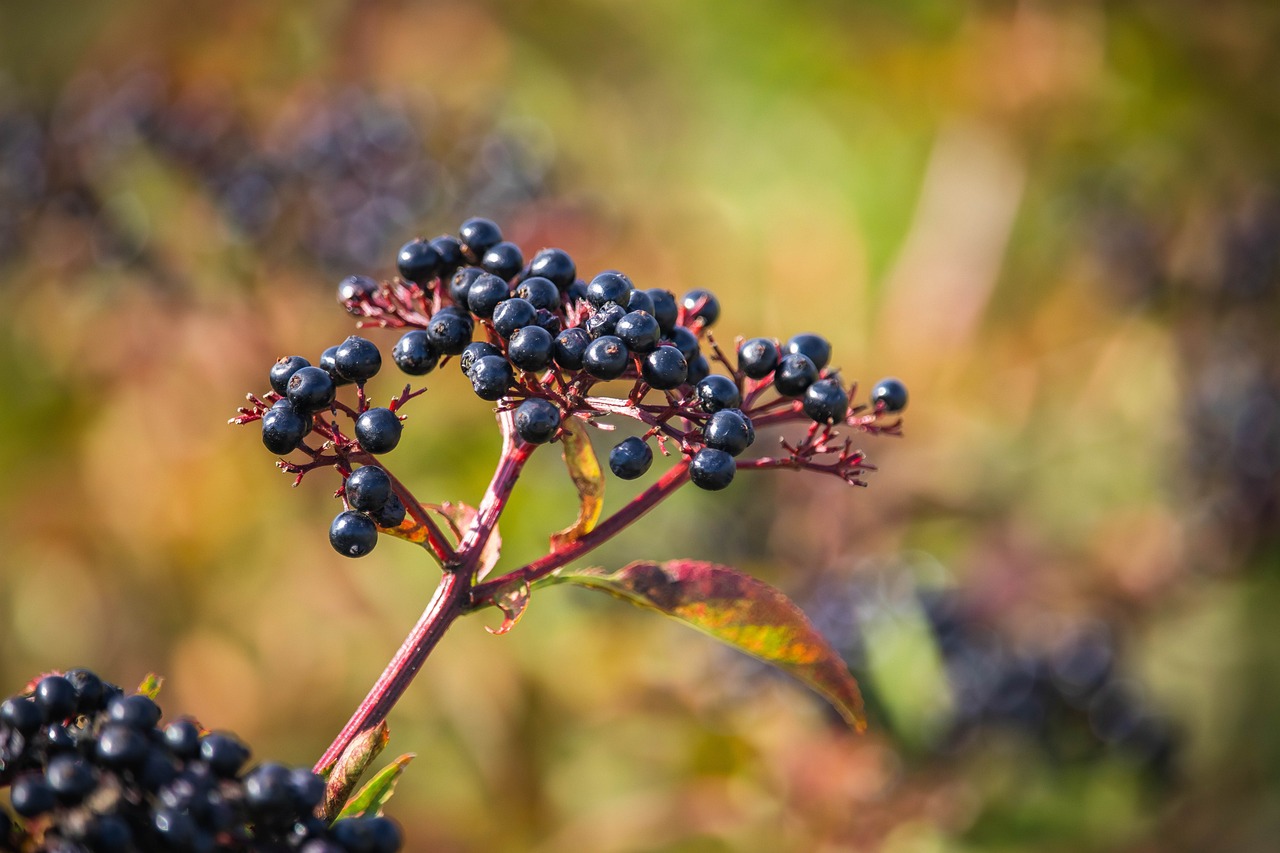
(639, 331)
(121, 746)
(605, 320)
(378, 430)
(548, 320)
(717, 392)
(182, 738)
(390, 514)
(539, 292)
(537, 420)
(357, 359)
(826, 401)
(889, 395)
(712, 469)
(418, 261)
(664, 368)
(329, 364)
(503, 260)
(758, 357)
(283, 429)
(21, 714)
(511, 314)
(224, 753)
(630, 458)
(606, 357)
(795, 373)
(530, 348)
(556, 266)
(816, 347)
(460, 284)
(368, 488)
(137, 711)
(608, 287)
(490, 377)
(685, 341)
(354, 289)
(56, 697)
(414, 354)
(283, 369)
(478, 235)
(449, 253)
(31, 796)
(569, 347)
(665, 309)
(311, 390)
(70, 777)
(729, 430)
(485, 293)
(699, 369)
(640, 300)
(450, 331)
(700, 306)
(474, 351)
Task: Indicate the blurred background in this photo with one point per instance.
(1059, 224)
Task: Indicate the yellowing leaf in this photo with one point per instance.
(458, 517)
(584, 470)
(150, 686)
(739, 610)
(511, 599)
(374, 795)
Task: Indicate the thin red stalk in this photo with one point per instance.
(435, 536)
(515, 452)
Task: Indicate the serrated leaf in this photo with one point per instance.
(584, 470)
(341, 779)
(511, 599)
(150, 686)
(377, 791)
(739, 610)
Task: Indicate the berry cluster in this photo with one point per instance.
(90, 768)
(538, 340)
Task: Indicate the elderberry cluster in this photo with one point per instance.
(91, 770)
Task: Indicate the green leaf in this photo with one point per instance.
(511, 598)
(739, 610)
(150, 686)
(341, 779)
(584, 470)
(375, 794)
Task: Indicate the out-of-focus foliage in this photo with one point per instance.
(1058, 223)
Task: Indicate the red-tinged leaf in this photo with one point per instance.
(459, 517)
(584, 470)
(739, 610)
(150, 686)
(377, 791)
(341, 779)
(511, 599)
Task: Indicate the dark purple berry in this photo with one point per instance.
(665, 309)
(224, 753)
(537, 420)
(478, 235)
(795, 373)
(758, 357)
(357, 359)
(418, 261)
(378, 430)
(485, 293)
(460, 284)
(22, 715)
(58, 739)
(700, 306)
(329, 364)
(283, 429)
(311, 390)
(664, 368)
(548, 320)
(283, 369)
(712, 469)
(630, 458)
(90, 691)
(384, 835)
(109, 833)
(569, 347)
(699, 369)
(608, 287)
(639, 331)
(503, 260)
(474, 351)
(717, 392)
(449, 331)
(449, 253)
(390, 514)
(177, 830)
(307, 789)
(685, 341)
(414, 354)
(490, 377)
(268, 792)
(556, 266)
(120, 746)
(182, 738)
(368, 488)
(816, 347)
(70, 777)
(56, 697)
(640, 300)
(826, 401)
(530, 348)
(158, 769)
(31, 796)
(137, 711)
(511, 314)
(606, 357)
(605, 320)
(889, 395)
(355, 289)
(539, 292)
(729, 430)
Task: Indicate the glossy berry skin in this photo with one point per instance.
(664, 368)
(794, 374)
(329, 364)
(55, 697)
(418, 261)
(640, 300)
(70, 777)
(511, 314)
(449, 331)
(283, 369)
(537, 420)
(699, 369)
(353, 534)
(700, 306)
(758, 357)
(267, 790)
(357, 359)
(605, 320)
(504, 260)
(355, 288)
(570, 345)
(717, 392)
(816, 347)
(368, 488)
(390, 514)
(120, 746)
(639, 331)
(182, 738)
(530, 348)
(556, 266)
(31, 796)
(712, 469)
(90, 691)
(729, 430)
(826, 402)
(378, 430)
(539, 292)
(549, 321)
(889, 395)
(460, 284)
(630, 458)
(665, 309)
(311, 390)
(485, 293)
(474, 351)
(608, 287)
(448, 254)
(136, 711)
(478, 235)
(414, 354)
(685, 341)
(22, 715)
(606, 358)
(490, 377)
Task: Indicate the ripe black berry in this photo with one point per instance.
(699, 369)
(712, 469)
(569, 348)
(605, 320)
(90, 691)
(283, 369)
(449, 331)
(474, 351)
(685, 341)
(511, 314)
(486, 291)
(460, 284)
(22, 715)
(539, 292)
(640, 300)
(268, 792)
(121, 746)
(449, 253)
(177, 830)
(478, 235)
(414, 354)
(549, 321)
(664, 368)
(630, 458)
(357, 359)
(378, 430)
(608, 287)
(606, 357)
(503, 260)
(182, 739)
(137, 711)
(310, 390)
(490, 377)
(701, 306)
(826, 401)
(530, 348)
(794, 374)
(70, 777)
(283, 429)
(729, 430)
(329, 364)
(356, 288)
(639, 331)
(391, 513)
(223, 752)
(56, 697)
(717, 392)
(31, 795)
(816, 347)
(555, 265)
(368, 488)
(889, 395)
(665, 309)
(418, 261)
(758, 357)
(537, 420)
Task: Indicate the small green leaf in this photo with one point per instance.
(341, 779)
(375, 794)
(584, 470)
(150, 686)
(739, 610)
(511, 599)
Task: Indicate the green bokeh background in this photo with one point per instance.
(1056, 222)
